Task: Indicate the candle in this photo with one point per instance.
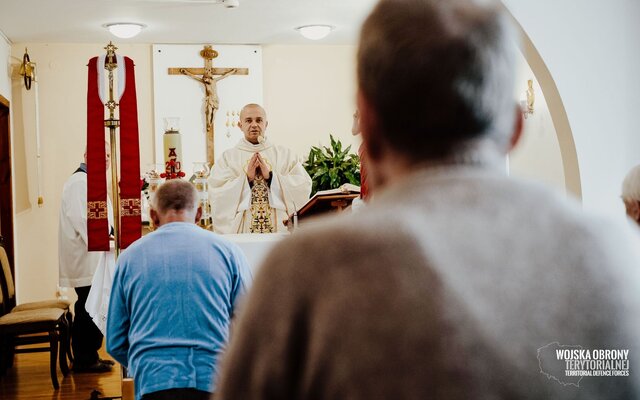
(172, 155)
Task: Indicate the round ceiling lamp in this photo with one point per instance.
(315, 32)
(125, 30)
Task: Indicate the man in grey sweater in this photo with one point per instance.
(457, 282)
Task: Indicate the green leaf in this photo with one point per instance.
(331, 166)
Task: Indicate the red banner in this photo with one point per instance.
(129, 187)
(130, 219)
(97, 213)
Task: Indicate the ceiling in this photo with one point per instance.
(181, 21)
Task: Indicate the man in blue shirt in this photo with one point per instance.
(174, 294)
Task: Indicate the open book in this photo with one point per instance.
(329, 200)
(346, 188)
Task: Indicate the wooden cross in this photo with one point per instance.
(209, 77)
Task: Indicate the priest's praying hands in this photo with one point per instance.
(258, 166)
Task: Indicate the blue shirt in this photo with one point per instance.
(174, 293)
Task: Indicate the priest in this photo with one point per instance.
(256, 185)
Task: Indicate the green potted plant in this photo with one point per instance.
(330, 167)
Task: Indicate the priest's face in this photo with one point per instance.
(253, 123)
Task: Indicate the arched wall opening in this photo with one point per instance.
(556, 109)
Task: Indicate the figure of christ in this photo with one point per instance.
(211, 100)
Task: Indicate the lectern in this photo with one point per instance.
(334, 200)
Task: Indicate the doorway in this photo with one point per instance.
(6, 193)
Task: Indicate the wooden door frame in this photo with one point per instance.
(6, 186)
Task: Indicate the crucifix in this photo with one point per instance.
(209, 77)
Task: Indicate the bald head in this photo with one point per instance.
(253, 122)
(175, 201)
(251, 107)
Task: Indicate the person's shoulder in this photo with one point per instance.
(135, 249)
(601, 240)
(231, 150)
(225, 159)
(76, 178)
(219, 241)
(282, 148)
(77, 182)
(561, 206)
(615, 239)
(213, 240)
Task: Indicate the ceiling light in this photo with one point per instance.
(315, 32)
(125, 30)
(230, 3)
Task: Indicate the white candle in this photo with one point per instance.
(172, 154)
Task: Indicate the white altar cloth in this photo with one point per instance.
(255, 247)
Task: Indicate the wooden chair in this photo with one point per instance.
(20, 328)
(10, 301)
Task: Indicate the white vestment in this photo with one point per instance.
(230, 193)
(76, 264)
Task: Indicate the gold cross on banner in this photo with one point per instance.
(209, 77)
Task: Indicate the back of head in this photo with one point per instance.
(631, 185)
(631, 193)
(175, 195)
(438, 74)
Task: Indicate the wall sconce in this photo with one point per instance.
(125, 30)
(527, 105)
(27, 70)
(315, 32)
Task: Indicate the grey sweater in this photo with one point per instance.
(444, 288)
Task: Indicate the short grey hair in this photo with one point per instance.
(438, 74)
(177, 195)
(631, 184)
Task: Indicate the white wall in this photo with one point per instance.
(309, 93)
(592, 50)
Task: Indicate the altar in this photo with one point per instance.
(254, 246)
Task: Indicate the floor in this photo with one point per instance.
(29, 379)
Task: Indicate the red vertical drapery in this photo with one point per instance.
(129, 186)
